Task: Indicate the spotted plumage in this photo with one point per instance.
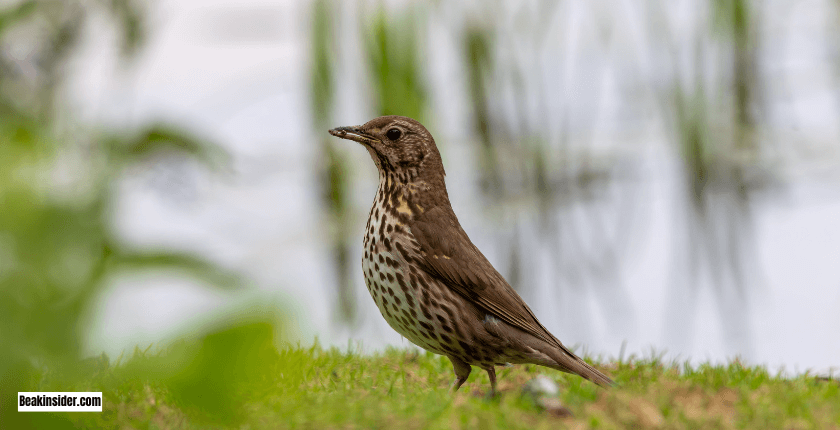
(429, 281)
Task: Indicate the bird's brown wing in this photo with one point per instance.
(447, 253)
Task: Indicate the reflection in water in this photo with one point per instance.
(590, 150)
(557, 94)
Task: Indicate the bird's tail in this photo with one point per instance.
(568, 362)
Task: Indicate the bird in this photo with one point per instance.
(430, 282)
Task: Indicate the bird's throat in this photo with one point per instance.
(400, 196)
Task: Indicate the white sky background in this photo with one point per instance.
(236, 73)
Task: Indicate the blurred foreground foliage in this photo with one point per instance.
(205, 380)
(58, 250)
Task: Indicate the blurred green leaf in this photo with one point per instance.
(393, 55)
(14, 14)
(732, 18)
(57, 247)
(322, 64)
(333, 168)
(129, 15)
(214, 377)
(479, 67)
(163, 137)
(194, 266)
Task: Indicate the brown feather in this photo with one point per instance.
(448, 254)
(424, 263)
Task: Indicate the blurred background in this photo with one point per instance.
(652, 176)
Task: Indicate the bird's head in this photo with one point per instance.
(399, 146)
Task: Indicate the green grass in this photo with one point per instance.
(317, 388)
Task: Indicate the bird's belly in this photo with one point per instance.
(429, 316)
(398, 301)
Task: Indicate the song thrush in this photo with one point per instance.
(430, 282)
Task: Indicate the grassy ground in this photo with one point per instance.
(316, 388)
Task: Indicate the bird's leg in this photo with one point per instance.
(491, 372)
(462, 372)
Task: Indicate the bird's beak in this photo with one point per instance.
(353, 133)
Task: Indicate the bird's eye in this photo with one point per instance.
(393, 134)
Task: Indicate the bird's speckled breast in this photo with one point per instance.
(403, 295)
